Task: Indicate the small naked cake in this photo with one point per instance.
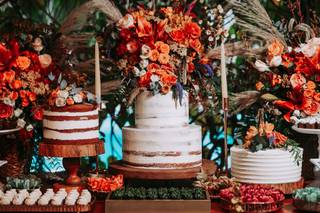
(71, 118)
(306, 122)
(266, 157)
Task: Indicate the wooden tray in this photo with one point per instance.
(254, 207)
(48, 208)
(158, 206)
(306, 206)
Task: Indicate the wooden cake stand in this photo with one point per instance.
(120, 167)
(71, 161)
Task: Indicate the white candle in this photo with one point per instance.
(224, 87)
(97, 74)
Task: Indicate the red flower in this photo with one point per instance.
(121, 49)
(286, 105)
(126, 34)
(38, 114)
(144, 80)
(192, 30)
(310, 107)
(6, 111)
(177, 35)
(144, 27)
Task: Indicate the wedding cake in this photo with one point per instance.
(72, 124)
(270, 166)
(162, 137)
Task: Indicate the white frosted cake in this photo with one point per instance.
(71, 124)
(162, 137)
(270, 166)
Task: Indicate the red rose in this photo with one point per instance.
(178, 36)
(310, 107)
(193, 30)
(38, 114)
(6, 111)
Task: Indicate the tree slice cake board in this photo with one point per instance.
(158, 174)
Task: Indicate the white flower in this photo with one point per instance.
(136, 71)
(17, 112)
(261, 66)
(9, 102)
(60, 102)
(29, 128)
(145, 50)
(126, 22)
(37, 44)
(144, 63)
(310, 48)
(63, 94)
(155, 78)
(77, 98)
(45, 60)
(289, 49)
(21, 123)
(220, 9)
(276, 61)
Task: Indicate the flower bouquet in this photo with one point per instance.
(161, 50)
(290, 80)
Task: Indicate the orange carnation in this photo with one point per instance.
(196, 45)
(259, 85)
(275, 48)
(308, 93)
(154, 55)
(23, 62)
(311, 85)
(162, 47)
(9, 76)
(17, 84)
(177, 35)
(193, 30)
(163, 58)
(70, 101)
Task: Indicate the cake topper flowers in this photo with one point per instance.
(158, 50)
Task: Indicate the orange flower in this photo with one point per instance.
(9, 76)
(25, 102)
(16, 84)
(308, 93)
(14, 95)
(70, 101)
(32, 96)
(193, 30)
(311, 85)
(266, 127)
(178, 35)
(279, 139)
(144, 27)
(276, 79)
(51, 101)
(168, 79)
(196, 45)
(297, 80)
(23, 93)
(152, 67)
(275, 49)
(317, 97)
(310, 107)
(165, 89)
(144, 80)
(163, 58)
(162, 47)
(23, 62)
(259, 85)
(154, 55)
(204, 60)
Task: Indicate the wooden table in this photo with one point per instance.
(215, 207)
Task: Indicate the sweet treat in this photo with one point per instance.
(307, 122)
(71, 124)
(44, 200)
(162, 137)
(5, 200)
(269, 166)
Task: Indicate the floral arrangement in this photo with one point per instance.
(290, 77)
(159, 50)
(24, 83)
(67, 95)
(105, 184)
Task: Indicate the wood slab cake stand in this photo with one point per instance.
(71, 161)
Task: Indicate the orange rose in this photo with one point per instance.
(297, 80)
(154, 55)
(152, 67)
(70, 101)
(311, 85)
(25, 102)
(144, 27)
(168, 79)
(310, 107)
(308, 93)
(259, 85)
(193, 30)
(317, 97)
(14, 95)
(16, 84)
(275, 49)
(165, 89)
(23, 62)
(196, 45)
(177, 35)
(9, 76)
(164, 48)
(267, 128)
(163, 58)
(32, 96)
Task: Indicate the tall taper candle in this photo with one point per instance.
(224, 87)
(97, 73)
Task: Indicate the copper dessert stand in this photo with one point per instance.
(130, 172)
(71, 160)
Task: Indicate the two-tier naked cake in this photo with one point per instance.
(74, 124)
(270, 166)
(162, 137)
